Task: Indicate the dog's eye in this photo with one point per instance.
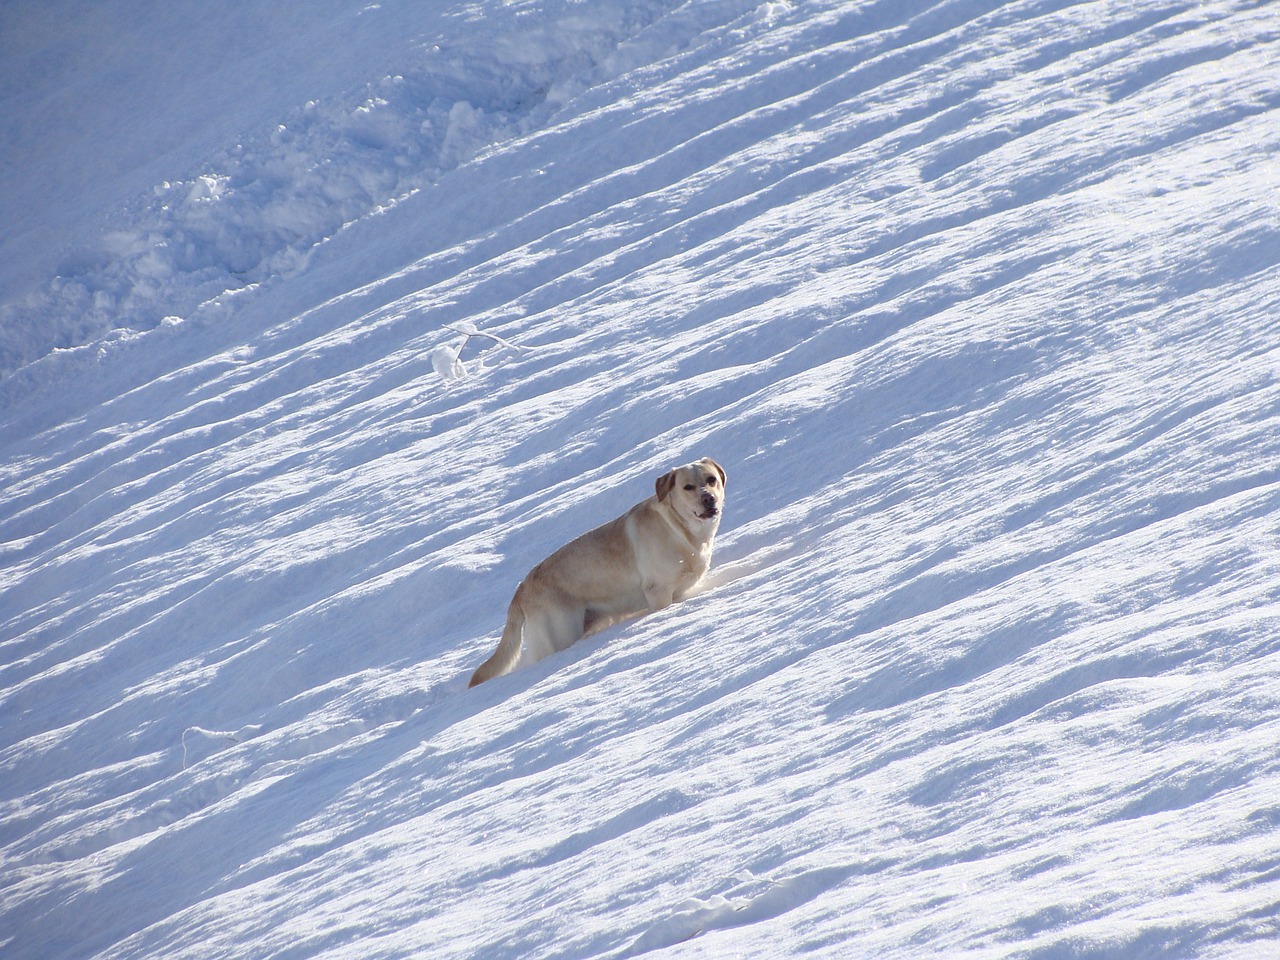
(711, 481)
(689, 486)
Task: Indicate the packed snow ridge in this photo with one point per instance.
(975, 301)
(254, 212)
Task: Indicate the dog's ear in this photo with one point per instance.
(717, 468)
(664, 484)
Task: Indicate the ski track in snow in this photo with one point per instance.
(975, 301)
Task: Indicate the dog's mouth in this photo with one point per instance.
(708, 513)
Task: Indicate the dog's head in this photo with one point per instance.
(695, 491)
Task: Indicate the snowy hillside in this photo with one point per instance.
(977, 303)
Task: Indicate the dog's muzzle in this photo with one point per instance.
(709, 507)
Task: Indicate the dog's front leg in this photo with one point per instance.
(658, 595)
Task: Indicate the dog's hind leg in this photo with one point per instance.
(552, 629)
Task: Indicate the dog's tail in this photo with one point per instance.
(504, 658)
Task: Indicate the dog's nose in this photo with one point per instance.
(708, 501)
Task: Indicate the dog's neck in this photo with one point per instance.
(699, 533)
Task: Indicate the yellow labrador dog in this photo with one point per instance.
(652, 555)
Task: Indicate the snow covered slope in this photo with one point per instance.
(976, 302)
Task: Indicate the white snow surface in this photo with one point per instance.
(323, 322)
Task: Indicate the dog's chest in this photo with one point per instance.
(693, 567)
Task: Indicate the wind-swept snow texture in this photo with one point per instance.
(976, 301)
